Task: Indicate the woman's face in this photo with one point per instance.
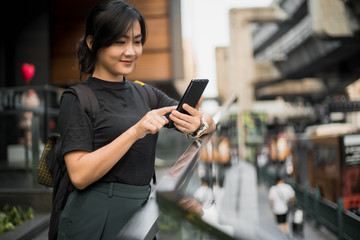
(119, 58)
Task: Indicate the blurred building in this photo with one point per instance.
(294, 49)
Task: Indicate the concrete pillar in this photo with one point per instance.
(241, 66)
(222, 73)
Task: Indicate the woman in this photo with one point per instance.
(111, 162)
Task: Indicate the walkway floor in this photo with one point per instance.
(255, 208)
(251, 199)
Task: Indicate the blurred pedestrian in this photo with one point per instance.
(280, 196)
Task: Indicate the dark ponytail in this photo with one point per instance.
(86, 59)
(106, 23)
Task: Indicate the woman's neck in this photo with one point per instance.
(108, 77)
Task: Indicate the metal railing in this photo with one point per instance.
(345, 224)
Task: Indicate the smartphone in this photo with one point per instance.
(191, 96)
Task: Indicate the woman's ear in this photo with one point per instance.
(89, 40)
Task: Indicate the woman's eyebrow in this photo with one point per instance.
(137, 36)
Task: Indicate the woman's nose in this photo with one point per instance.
(130, 50)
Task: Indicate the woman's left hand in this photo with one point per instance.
(184, 122)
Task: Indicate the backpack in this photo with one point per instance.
(51, 169)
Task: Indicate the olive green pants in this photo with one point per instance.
(100, 211)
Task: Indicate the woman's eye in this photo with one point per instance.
(120, 42)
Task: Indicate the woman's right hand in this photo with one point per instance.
(152, 122)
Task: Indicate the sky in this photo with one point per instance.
(206, 23)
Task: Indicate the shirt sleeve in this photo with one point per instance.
(75, 126)
(164, 100)
(271, 193)
(291, 192)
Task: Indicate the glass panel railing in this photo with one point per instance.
(185, 199)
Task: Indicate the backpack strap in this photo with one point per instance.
(87, 100)
(152, 101)
(148, 93)
(64, 187)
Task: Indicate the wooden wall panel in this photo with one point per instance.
(70, 9)
(66, 36)
(64, 70)
(158, 34)
(68, 27)
(152, 67)
(151, 7)
(155, 64)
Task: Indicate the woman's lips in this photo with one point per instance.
(127, 62)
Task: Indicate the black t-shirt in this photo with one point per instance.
(121, 106)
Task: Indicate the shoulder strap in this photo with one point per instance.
(152, 101)
(152, 97)
(87, 99)
(148, 93)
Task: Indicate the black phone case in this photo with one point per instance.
(191, 96)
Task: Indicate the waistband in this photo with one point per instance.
(122, 190)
